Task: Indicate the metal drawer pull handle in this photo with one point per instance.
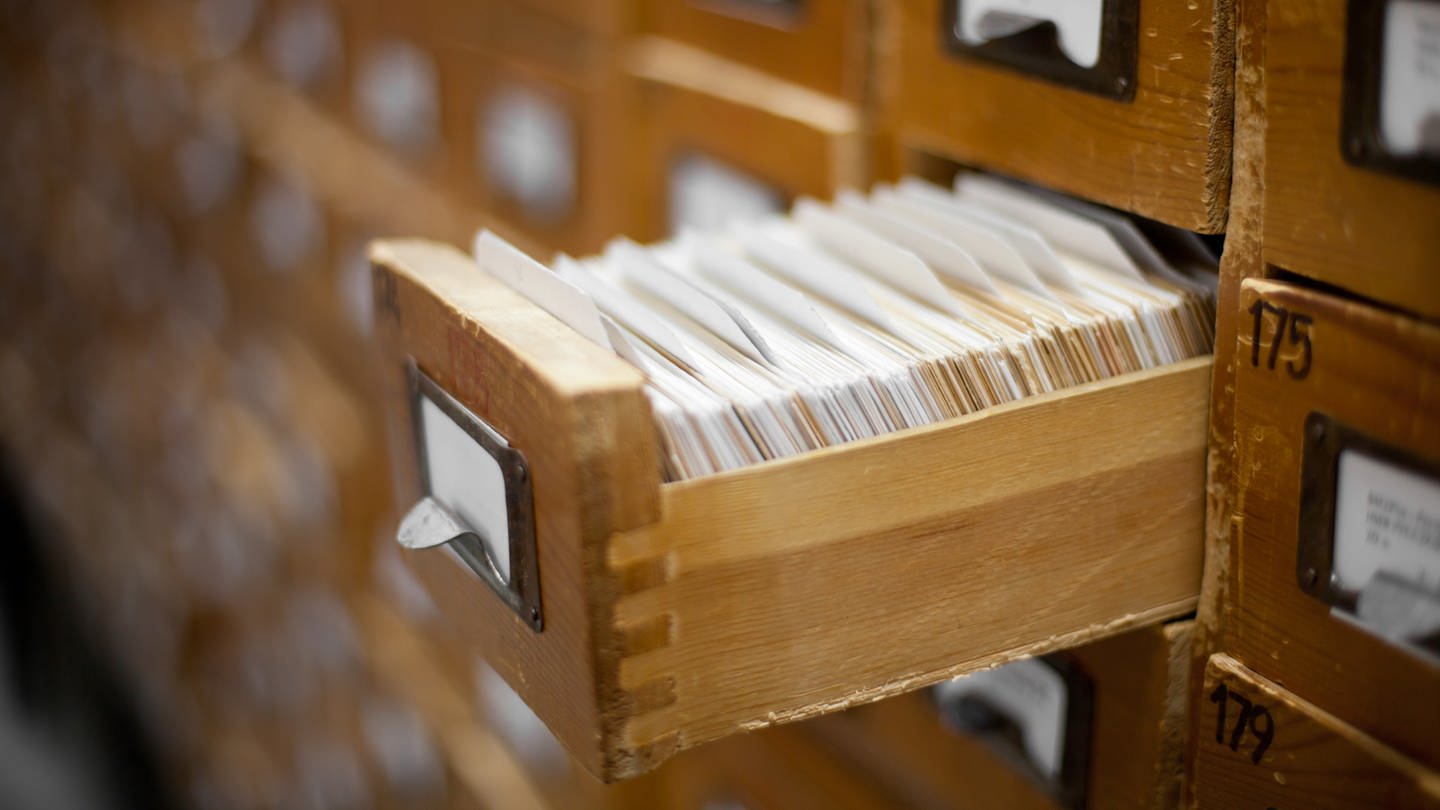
(476, 501)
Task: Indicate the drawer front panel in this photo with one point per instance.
(1354, 226)
(1163, 154)
(1339, 380)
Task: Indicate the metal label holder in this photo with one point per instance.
(1002, 736)
(1361, 143)
(1324, 440)
(430, 523)
(1036, 50)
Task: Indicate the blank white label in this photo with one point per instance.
(706, 194)
(1410, 79)
(468, 480)
(1077, 23)
(398, 96)
(1033, 695)
(527, 145)
(1386, 519)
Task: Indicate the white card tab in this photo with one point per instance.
(881, 257)
(544, 288)
(1064, 229)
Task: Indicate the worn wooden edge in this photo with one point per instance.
(770, 503)
(1175, 719)
(1242, 259)
(1220, 147)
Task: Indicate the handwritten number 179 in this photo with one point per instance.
(1251, 716)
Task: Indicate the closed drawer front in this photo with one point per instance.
(1337, 446)
(819, 45)
(680, 613)
(696, 172)
(1344, 202)
(1123, 695)
(544, 147)
(1146, 128)
(1259, 745)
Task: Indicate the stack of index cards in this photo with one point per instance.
(873, 314)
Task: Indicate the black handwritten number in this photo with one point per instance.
(1265, 737)
(1218, 696)
(1258, 310)
(1297, 335)
(1250, 717)
(1300, 334)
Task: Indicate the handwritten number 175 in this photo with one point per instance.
(1298, 335)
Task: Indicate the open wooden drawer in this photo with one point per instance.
(668, 615)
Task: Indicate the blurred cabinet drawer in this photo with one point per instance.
(645, 618)
(723, 142)
(820, 44)
(1115, 706)
(1337, 416)
(545, 151)
(1129, 104)
(772, 769)
(1350, 179)
(1258, 745)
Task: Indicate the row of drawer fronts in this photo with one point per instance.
(1364, 133)
(1337, 558)
(635, 584)
(1259, 745)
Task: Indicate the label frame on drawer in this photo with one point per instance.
(1070, 786)
(1026, 51)
(1325, 441)
(521, 590)
(1362, 142)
